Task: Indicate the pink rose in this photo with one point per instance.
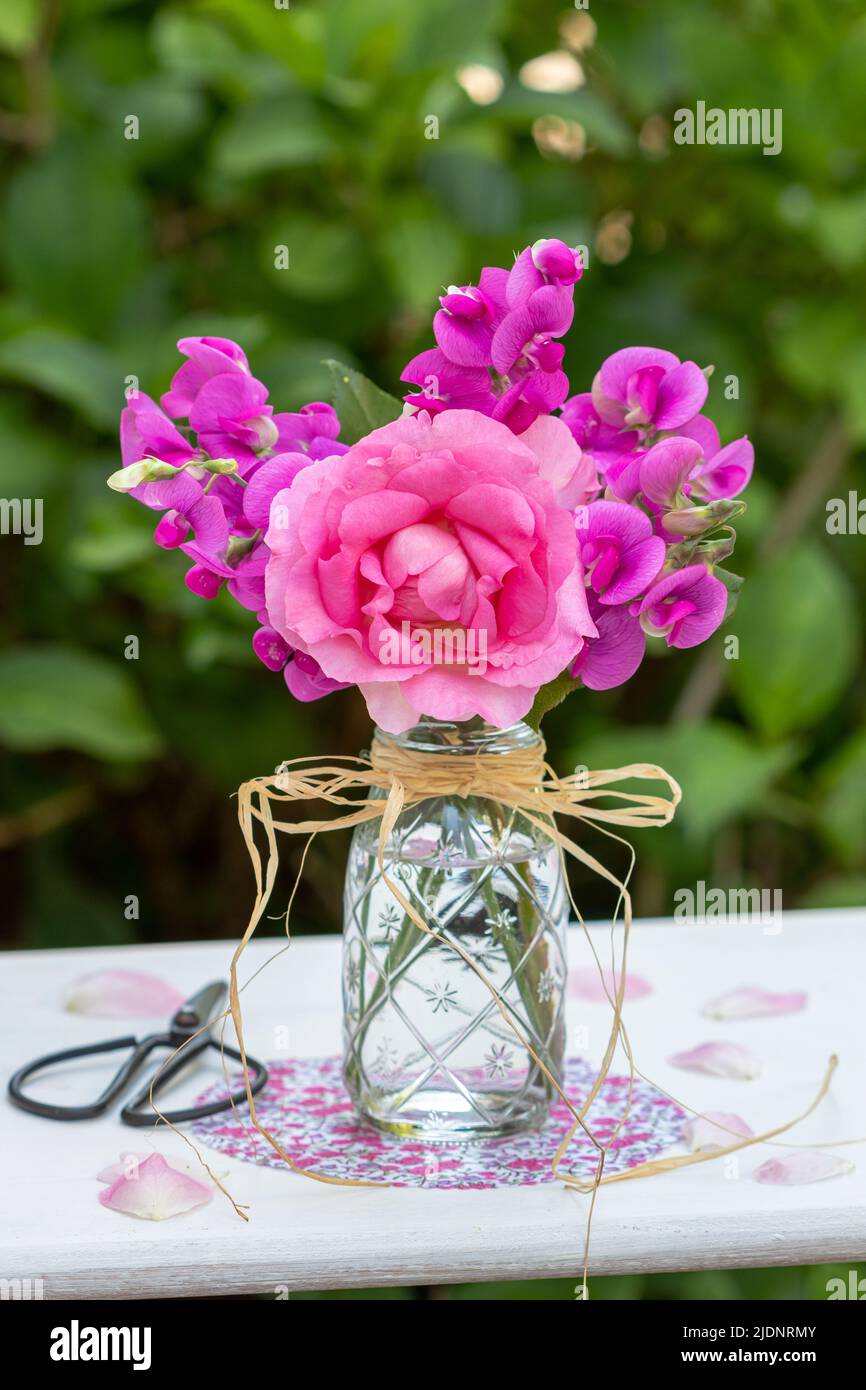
(430, 525)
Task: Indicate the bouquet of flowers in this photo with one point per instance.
(481, 548)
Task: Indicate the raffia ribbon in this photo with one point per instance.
(394, 777)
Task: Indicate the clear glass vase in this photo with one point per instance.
(427, 1053)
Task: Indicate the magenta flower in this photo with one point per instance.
(620, 554)
(685, 607)
(606, 443)
(307, 681)
(271, 648)
(524, 338)
(611, 658)
(666, 467)
(208, 357)
(146, 431)
(232, 418)
(722, 472)
(312, 430)
(445, 386)
(468, 318)
(648, 388)
(270, 478)
(546, 262)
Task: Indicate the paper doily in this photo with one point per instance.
(307, 1108)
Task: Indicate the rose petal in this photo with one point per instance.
(586, 983)
(715, 1130)
(155, 1192)
(728, 1059)
(753, 1002)
(122, 994)
(130, 1163)
(807, 1165)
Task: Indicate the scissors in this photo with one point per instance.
(195, 1016)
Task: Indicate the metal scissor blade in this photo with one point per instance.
(200, 1008)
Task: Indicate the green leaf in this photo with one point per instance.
(81, 374)
(74, 233)
(837, 892)
(797, 627)
(723, 773)
(733, 583)
(549, 696)
(19, 25)
(422, 252)
(360, 404)
(64, 697)
(283, 132)
(842, 808)
(480, 193)
(326, 259)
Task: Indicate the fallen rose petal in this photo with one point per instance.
(807, 1165)
(156, 1192)
(586, 983)
(728, 1059)
(130, 1164)
(122, 994)
(753, 1002)
(715, 1130)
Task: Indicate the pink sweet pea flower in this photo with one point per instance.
(611, 658)
(721, 472)
(606, 443)
(446, 386)
(685, 607)
(429, 521)
(666, 467)
(619, 552)
(306, 680)
(232, 418)
(146, 431)
(208, 357)
(524, 338)
(469, 316)
(312, 430)
(648, 388)
(547, 262)
(270, 477)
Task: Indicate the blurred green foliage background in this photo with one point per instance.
(309, 127)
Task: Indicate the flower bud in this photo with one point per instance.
(202, 581)
(463, 302)
(147, 470)
(271, 648)
(695, 521)
(171, 530)
(556, 260)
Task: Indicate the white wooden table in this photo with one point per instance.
(306, 1235)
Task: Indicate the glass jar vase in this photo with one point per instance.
(427, 1052)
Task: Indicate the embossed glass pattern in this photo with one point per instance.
(426, 1049)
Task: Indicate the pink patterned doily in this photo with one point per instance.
(306, 1106)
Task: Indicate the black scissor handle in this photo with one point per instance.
(134, 1112)
(97, 1107)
